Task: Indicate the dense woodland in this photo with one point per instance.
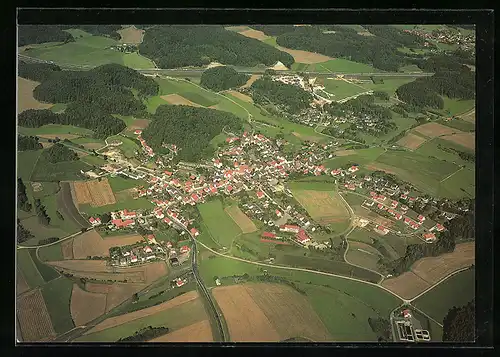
(22, 197)
(22, 233)
(222, 78)
(36, 71)
(459, 324)
(59, 153)
(291, 97)
(175, 46)
(191, 129)
(25, 143)
(34, 34)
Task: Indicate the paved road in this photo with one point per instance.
(49, 244)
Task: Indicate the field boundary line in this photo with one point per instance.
(450, 175)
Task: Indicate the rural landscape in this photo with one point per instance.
(252, 183)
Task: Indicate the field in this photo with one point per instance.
(50, 131)
(361, 157)
(220, 225)
(325, 207)
(455, 291)
(363, 255)
(468, 140)
(437, 146)
(120, 183)
(131, 34)
(33, 317)
(241, 219)
(130, 204)
(268, 312)
(469, 116)
(86, 306)
(52, 252)
(61, 171)
(241, 96)
(341, 89)
(457, 106)
(432, 130)
(89, 143)
(26, 161)
(57, 296)
(175, 314)
(116, 293)
(197, 332)
(460, 184)
(95, 192)
(127, 146)
(176, 99)
(411, 141)
(92, 244)
(258, 35)
(305, 56)
(25, 99)
(21, 284)
(252, 79)
(28, 268)
(428, 271)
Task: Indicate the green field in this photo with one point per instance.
(456, 106)
(455, 291)
(459, 124)
(61, 171)
(78, 33)
(128, 146)
(120, 183)
(48, 189)
(28, 268)
(93, 160)
(130, 204)
(85, 51)
(389, 86)
(137, 61)
(51, 253)
(55, 129)
(455, 186)
(48, 273)
(311, 185)
(128, 120)
(341, 89)
(360, 235)
(57, 296)
(26, 161)
(344, 65)
(432, 148)
(411, 68)
(58, 107)
(174, 318)
(272, 41)
(87, 140)
(360, 157)
(220, 226)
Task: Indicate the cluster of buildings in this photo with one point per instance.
(408, 329)
(124, 47)
(145, 147)
(136, 254)
(451, 37)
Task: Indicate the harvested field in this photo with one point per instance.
(139, 124)
(241, 219)
(97, 193)
(25, 99)
(306, 137)
(21, 284)
(245, 319)
(433, 269)
(119, 320)
(411, 141)
(469, 116)
(304, 56)
(289, 312)
(252, 79)
(60, 136)
(344, 152)
(67, 249)
(86, 306)
(467, 140)
(197, 332)
(131, 35)
(241, 96)
(46, 145)
(433, 130)
(176, 99)
(92, 146)
(258, 35)
(323, 206)
(34, 319)
(116, 293)
(91, 243)
(407, 285)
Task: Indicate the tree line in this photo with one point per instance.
(34, 34)
(36, 71)
(25, 143)
(41, 213)
(145, 334)
(291, 97)
(191, 129)
(59, 153)
(459, 323)
(173, 46)
(22, 233)
(222, 78)
(22, 197)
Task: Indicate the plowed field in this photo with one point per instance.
(432, 130)
(92, 244)
(197, 332)
(467, 140)
(86, 306)
(323, 206)
(34, 319)
(97, 193)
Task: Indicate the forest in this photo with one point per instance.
(36, 71)
(59, 153)
(222, 78)
(34, 34)
(173, 46)
(291, 97)
(191, 129)
(22, 197)
(25, 143)
(459, 324)
(22, 233)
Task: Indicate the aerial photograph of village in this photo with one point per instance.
(251, 183)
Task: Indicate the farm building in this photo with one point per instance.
(260, 194)
(381, 230)
(353, 168)
(268, 235)
(429, 237)
(194, 232)
(289, 228)
(95, 221)
(302, 237)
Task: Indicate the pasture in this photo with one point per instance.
(61, 171)
(131, 35)
(28, 268)
(363, 255)
(128, 146)
(433, 130)
(462, 125)
(176, 99)
(26, 161)
(340, 89)
(33, 317)
(439, 148)
(411, 141)
(25, 99)
(311, 186)
(467, 140)
(461, 184)
(344, 65)
(51, 253)
(57, 296)
(220, 225)
(116, 293)
(457, 290)
(241, 219)
(457, 106)
(120, 183)
(324, 207)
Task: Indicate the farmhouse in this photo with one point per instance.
(289, 228)
(302, 237)
(429, 237)
(194, 232)
(95, 221)
(421, 218)
(184, 249)
(353, 168)
(127, 214)
(438, 227)
(118, 223)
(260, 194)
(381, 230)
(268, 235)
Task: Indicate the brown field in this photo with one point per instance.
(241, 219)
(323, 206)
(25, 98)
(176, 99)
(289, 312)
(93, 146)
(131, 35)
(245, 319)
(467, 140)
(60, 136)
(252, 79)
(307, 137)
(258, 35)
(67, 249)
(372, 216)
(241, 96)
(119, 292)
(126, 194)
(363, 255)
(46, 145)
(80, 153)
(21, 284)
(304, 56)
(91, 243)
(411, 141)
(406, 285)
(432, 130)
(97, 193)
(119, 320)
(344, 152)
(376, 166)
(433, 269)
(469, 116)
(86, 306)
(34, 319)
(197, 332)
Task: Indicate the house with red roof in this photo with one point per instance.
(353, 168)
(350, 186)
(194, 232)
(381, 229)
(260, 194)
(229, 188)
(95, 221)
(404, 208)
(289, 228)
(128, 214)
(168, 173)
(421, 218)
(398, 216)
(394, 204)
(335, 172)
(148, 249)
(373, 194)
(278, 213)
(118, 223)
(403, 196)
(438, 227)
(217, 163)
(195, 197)
(167, 221)
(169, 244)
(429, 237)
(231, 140)
(179, 282)
(138, 132)
(268, 235)
(184, 249)
(133, 258)
(407, 220)
(380, 206)
(302, 237)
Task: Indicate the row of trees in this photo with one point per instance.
(22, 233)
(191, 129)
(22, 197)
(25, 143)
(173, 46)
(145, 334)
(41, 212)
(59, 153)
(222, 78)
(293, 98)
